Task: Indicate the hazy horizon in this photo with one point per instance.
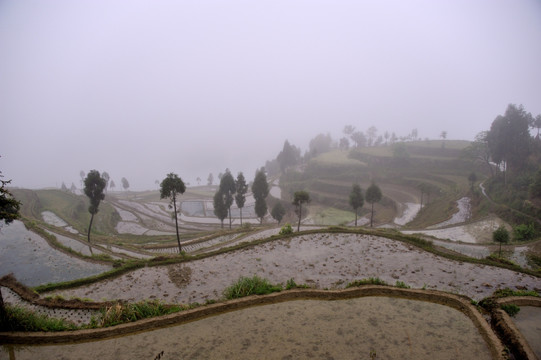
(141, 89)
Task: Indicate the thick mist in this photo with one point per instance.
(142, 88)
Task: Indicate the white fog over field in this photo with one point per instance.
(143, 88)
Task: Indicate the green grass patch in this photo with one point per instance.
(291, 284)
(22, 319)
(508, 292)
(124, 313)
(402, 285)
(246, 286)
(510, 309)
(333, 216)
(369, 281)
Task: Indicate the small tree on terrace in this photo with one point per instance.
(171, 187)
(500, 235)
(299, 198)
(220, 210)
(278, 211)
(106, 177)
(356, 199)
(373, 195)
(472, 178)
(242, 189)
(125, 183)
(112, 185)
(94, 186)
(228, 189)
(260, 189)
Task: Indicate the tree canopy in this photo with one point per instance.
(356, 199)
(373, 195)
(289, 156)
(125, 183)
(240, 196)
(300, 198)
(260, 190)
(509, 138)
(94, 187)
(9, 206)
(278, 211)
(228, 188)
(220, 210)
(171, 187)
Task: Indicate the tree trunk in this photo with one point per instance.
(230, 218)
(176, 224)
(240, 216)
(90, 226)
(355, 217)
(372, 215)
(300, 216)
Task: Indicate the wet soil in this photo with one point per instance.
(377, 327)
(318, 260)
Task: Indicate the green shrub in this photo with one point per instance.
(22, 319)
(508, 292)
(123, 313)
(402, 285)
(291, 284)
(250, 286)
(369, 281)
(286, 229)
(511, 309)
(524, 232)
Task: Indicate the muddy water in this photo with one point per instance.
(34, 262)
(528, 321)
(387, 328)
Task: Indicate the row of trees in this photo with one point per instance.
(509, 145)
(356, 201)
(235, 190)
(109, 183)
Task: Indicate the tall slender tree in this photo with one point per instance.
(106, 177)
(171, 187)
(260, 190)
(220, 210)
(228, 189)
(240, 196)
(509, 138)
(300, 198)
(356, 199)
(373, 195)
(94, 186)
(125, 183)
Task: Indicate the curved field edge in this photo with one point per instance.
(506, 328)
(459, 303)
(131, 265)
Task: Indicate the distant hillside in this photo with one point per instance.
(400, 170)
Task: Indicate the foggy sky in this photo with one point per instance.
(143, 88)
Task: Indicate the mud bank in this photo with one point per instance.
(380, 309)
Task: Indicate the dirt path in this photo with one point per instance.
(320, 260)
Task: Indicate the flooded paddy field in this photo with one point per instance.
(33, 262)
(318, 260)
(528, 322)
(377, 327)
